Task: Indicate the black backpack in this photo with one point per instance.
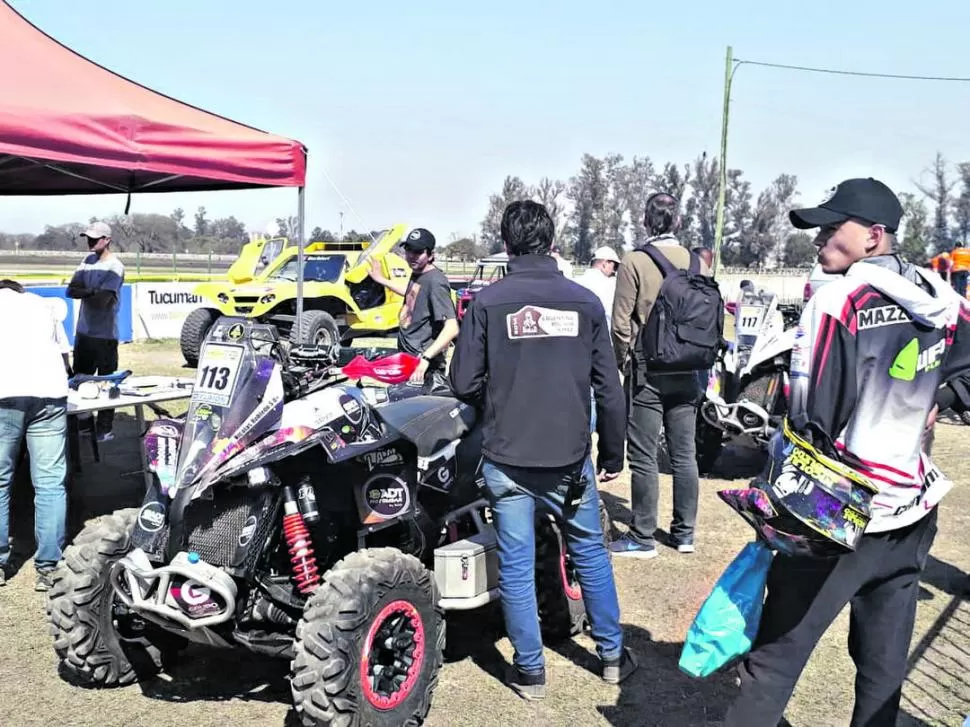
(684, 329)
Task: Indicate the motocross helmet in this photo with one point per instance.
(806, 503)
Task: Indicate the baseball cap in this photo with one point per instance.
(419, 239)
(865, 199)
(606, 253)
(97, 230)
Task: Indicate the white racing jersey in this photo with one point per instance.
(871, 351)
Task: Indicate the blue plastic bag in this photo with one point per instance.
(727, 622)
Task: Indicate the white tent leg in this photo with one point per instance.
(299, 257)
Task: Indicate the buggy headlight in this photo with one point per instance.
(223, 298)
(268, 298)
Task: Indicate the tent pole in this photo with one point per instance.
(299, 259)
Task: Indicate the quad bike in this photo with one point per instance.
(748, 388)
(305, 518)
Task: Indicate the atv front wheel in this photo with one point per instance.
(194, 331)
(315, 328)
(99, 642)
(370, 645)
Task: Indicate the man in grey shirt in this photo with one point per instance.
(97, 284)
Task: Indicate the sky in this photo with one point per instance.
(417, 111)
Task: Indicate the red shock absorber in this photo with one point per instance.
(300, 545)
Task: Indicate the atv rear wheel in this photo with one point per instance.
(562, 612)
(370, 645)
(100, 643)
(194, 331)
(315, 328)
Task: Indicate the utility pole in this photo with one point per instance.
(722, 168)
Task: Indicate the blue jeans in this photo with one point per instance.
(514, 493)
(44, 422)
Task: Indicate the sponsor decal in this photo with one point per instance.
(911, 361)
(532, 321)
(884, 315)
(162, 298)
(249, 529)
(151, 518)
(193, 598)
(235, 332)
(352, 409)
(381, 458)
(202, 413)
(164, 430)
(386, 496)
(399, 273)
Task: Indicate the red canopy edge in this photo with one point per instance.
(71, 126)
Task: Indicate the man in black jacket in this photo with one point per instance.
(529, 349)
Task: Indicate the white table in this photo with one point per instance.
(150, 390)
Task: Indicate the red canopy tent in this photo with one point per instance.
(70, 126)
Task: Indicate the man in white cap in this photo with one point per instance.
(97, 283)
(601, 278)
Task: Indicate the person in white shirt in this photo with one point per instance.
(601, 278)
(33, 404)
(565, 267)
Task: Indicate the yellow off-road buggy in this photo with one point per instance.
(340, 300)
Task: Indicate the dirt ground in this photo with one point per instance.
(658, 598)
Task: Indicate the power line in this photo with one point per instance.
(837, 72)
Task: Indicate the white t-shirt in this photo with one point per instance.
(34, 340)
(603, 287)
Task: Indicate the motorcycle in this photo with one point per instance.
(748, 388)
(302, 517)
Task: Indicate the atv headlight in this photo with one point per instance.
(268, 298)
(223, 298)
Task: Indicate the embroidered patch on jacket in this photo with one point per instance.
(531, 321)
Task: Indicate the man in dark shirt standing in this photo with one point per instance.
(530, 348)
(97, 283)
(428, 321)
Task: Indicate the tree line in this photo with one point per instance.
(174, 233)
(601, 204)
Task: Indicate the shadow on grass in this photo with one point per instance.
(658, 693)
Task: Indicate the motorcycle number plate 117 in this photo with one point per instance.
(217, 374)
(749, 319)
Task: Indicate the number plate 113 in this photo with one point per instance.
(217, 374)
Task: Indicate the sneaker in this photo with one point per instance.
(106, 437)
(685, 548)
(617, 670)
(3, 576)
(627, 546)
(45, 581)
(528, 686)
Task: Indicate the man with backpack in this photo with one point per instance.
(667, 323)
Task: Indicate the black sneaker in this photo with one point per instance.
(528, 686)
(45, 581)
(616, 670)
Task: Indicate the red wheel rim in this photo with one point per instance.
(393, 654)
(573, 593)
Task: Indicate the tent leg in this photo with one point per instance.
(299, 258)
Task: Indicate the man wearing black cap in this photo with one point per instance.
(877, 353)
(428, 322)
